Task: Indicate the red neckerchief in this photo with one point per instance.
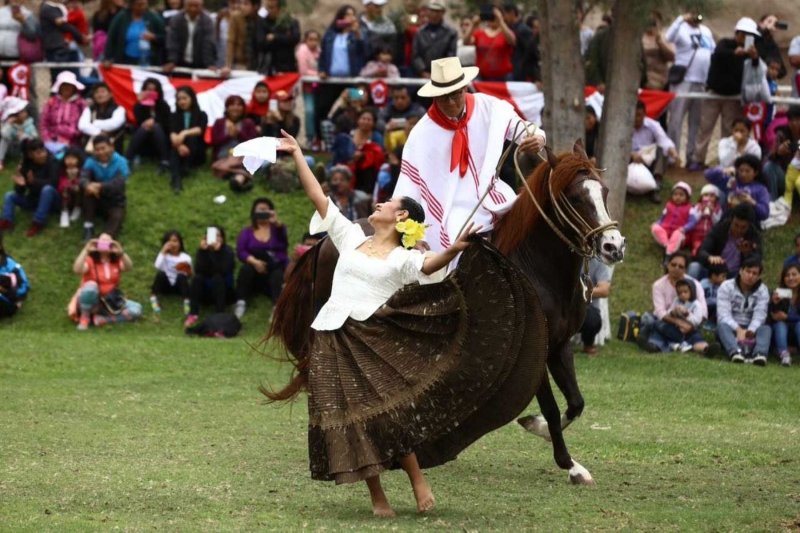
(459, 151)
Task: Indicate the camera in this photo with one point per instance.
(354, 93)
(486, 12)
(784, 294)
(781, 25)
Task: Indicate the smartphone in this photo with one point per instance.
(780, 25)
(103, 246)
(211, 235)
(749, 41)
(354, 93)
(273, 105)
(784, 294)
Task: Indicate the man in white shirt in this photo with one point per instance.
(694, 45)
(649, 145)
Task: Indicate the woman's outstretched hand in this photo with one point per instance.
(288, 144)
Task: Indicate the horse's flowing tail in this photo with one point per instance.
(291, 324)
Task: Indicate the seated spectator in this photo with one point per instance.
(259, 104)
(368, 156)
(741, 315)
(344, 49)
(279, 34)
(677, 219)
(347, 106)
(735, 238)
(745, 188)
(14, 283)
(173, 270)
(136, 36)
(262, 248)
(309, 241)
(190, 38)
(103, 181)
(465, 52)
(792, 184)
(99, 300)
(281, 119)
(242, 50)
(35, 188)
(213, 275)
(353, 204)
(600, 274)
(795, 257)
(58, 121)
(395, 115)
(18, 126)
(307, 55)
(433, 40)
(717, 273)
(390, 171)
(151, 115)
(102, 117)
(227, 132)
(664, 294)
(381, 65)
(187, 128)
(494, 44)
(678, 329)
(738, 144)
(780, 155)
(707, 212)
(591, 131)
(649, 145)
(784, 312)
(69, 186)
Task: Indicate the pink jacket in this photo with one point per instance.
(677, 216)
(306, 60)
(59, 119)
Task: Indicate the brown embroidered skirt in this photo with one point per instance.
(434, 369)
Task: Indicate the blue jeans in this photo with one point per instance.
(47, 201)
(665, 334)
(727, 336)
(780, 333)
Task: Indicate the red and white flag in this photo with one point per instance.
(126, 84)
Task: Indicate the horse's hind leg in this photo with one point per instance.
(547, 403)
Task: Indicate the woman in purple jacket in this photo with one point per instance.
(745, 187)
(263, 250)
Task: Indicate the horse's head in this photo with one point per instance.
(578, 204)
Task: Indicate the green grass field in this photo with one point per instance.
(137, 427)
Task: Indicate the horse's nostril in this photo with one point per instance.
(609, 247)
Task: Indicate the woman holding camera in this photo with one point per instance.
(213, 275)
(784, 312)
(263, 249)
(494, 44)
(99, 299)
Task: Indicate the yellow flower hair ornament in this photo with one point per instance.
(412, 232)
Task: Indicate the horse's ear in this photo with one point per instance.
(578, 148)
(551, 157)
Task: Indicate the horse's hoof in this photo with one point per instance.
(578, 475)
(535, 424)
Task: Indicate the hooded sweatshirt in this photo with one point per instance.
(59, 119)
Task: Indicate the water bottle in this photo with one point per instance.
(144, 52)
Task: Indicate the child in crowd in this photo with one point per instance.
(13, 283)
(77, 17)
(784, 312)
(717, 273)
(795, 257)
(18, 126)
(69, 186)
(676, 220)
(678, 330)
(381, 66)
(258, 106)
(739, 143)
(174, 268)
(706, 213)
(307, 55)
(745, 187)
(773, 73)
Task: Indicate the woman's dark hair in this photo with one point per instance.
(100, 85)
(793, 112)
(751, 161)
(590, 110)
(172, 233)
(717, 268)
(415, 211)
(158, 88)
(382, 50)
(188, 91)
(235, 98)
(752, 262)
(781, 283)
(29, 145)
(744, 212)
(220, 231)
(372, 112)
(686, 283)
(256, 202)
(307, 33)
(102, 138)
(679, 253)
(340, 13)
(72, 152)
(744, 122)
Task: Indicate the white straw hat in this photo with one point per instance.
(748, 25)
(447, 75)
(68, 77)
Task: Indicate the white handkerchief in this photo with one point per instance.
(256, 152)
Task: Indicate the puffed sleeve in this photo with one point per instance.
(411, 269)
(344, 234)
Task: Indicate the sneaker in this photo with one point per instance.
(240, 308)
(63, 222)
(101, 320)
(675, 347)
(154, 304)
(35, 229)
(187, 308)
(737, 357)
(75, 215)
(6, 225)
(88, 233)
(83, 323)
(190, 321)
(760, 360)
(786, 359)
(685, 347)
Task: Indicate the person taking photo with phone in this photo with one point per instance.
(784, 312)
(213, 275)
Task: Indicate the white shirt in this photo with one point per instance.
(188, 53)
(90, 127)
(167, 263)
(686, 37)
(361, 284)
(729, 150)
(794, 50)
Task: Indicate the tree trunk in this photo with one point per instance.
(562, 74)
(622, 84)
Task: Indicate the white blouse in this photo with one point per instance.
(168, 264)
(361, 284)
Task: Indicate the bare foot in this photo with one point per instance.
(424, 496)
(380, 504)
(382, 509)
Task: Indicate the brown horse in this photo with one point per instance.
(548, 233)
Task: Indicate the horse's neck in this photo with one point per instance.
(545, 256)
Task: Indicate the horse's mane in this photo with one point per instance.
(523, 218)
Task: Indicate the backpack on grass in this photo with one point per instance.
(628, 329)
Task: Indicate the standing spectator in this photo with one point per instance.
(14, 285)
(173, 270)
(381, 65)
(35, 188)
(724, 79)
(190, 39)
(600, 274)
(742, 305)
(136, 36)
(307, 55)
(242, 50)
(59, 118)
(171, 8)
(494, 44)
(766, 45)
(736, 238)
(434, 40)
(103, 184)
(787, 142)
(794, 60)
(408, 20)
(222, 20)
(465, 52)
(379, 30)
(344, 49)
(263, 250)
(738, 144)
(54, 28)
(657, 54)
(17, 126)
(591, 131)
(15, 19)
(213, 276)
(279, 36)
(151, 115)
(649, 146)
(525, 59)
(76, 16)
(596, 55)
(101, 24)
(395, 116)
(102, 117)
(187, 126)
(745, 187)
(694, 44)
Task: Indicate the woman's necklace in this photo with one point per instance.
(379, 252)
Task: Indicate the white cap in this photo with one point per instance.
(376, 2)
(747, 25)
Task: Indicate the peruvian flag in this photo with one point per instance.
(126, 84)
(528, 100)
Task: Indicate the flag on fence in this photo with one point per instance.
(528, 100)
(126, 84)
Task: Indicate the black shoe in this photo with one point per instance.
(713, 350)
(88, 233)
